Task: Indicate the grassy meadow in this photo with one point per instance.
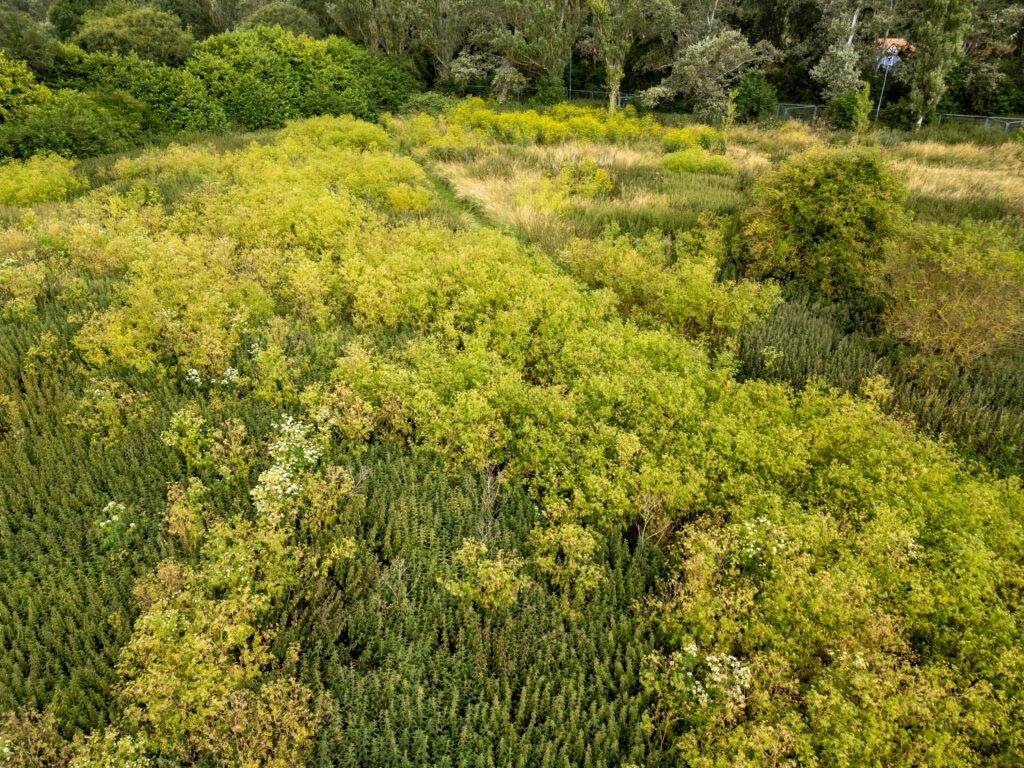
(487, 437)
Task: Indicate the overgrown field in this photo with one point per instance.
(484, 438)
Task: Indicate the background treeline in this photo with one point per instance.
(144, 69)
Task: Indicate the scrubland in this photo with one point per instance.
(510, 437)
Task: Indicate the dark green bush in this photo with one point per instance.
(147, 32)
(23, 38)
(265, 77)
(66, 15)
(549, 90)
(851, 110)
(175, 99)
(76, 124)
(755, 98)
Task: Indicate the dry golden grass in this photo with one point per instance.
(997, 158)
(520, 200)
(962, 183)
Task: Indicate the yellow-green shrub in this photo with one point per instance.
(39, 179)
(585, 179)
(694, 137)
(556, 124)
(955, 290)
(697, 161)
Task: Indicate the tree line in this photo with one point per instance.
(954, 55)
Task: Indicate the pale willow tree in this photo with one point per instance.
(534, 36)
(698, 20)
(615, 26)
(704, 72)
(380, 25)
(939, 30)
(838, 70)
(441, 28)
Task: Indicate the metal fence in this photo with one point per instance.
(570, 94)
(1006, 123)
(799, 111)
(812, 111)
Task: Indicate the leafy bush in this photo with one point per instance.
(265, 77)
(586, 179)
(697, 161)
(175, 99)
(823, 219)
(72, 124)
(755, 98)
(548, 89)
(288, 16)
(694, 137)
(39, 179)
(147, 32)
(956, 290)
(850, 110)
(676, 285)
(19, 90)
(66, 15)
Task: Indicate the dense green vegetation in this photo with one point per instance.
(346, 425)
(308, 462)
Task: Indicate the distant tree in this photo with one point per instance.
(208, 17)
(24, 38)
(615, 25)
(288, 16)
(441, 28)
(703, 73)
(939, 28)
(147, 32)
(66, 15)
(380, 25)
(534, 36)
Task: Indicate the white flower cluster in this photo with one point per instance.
(295, 446)
(230, 376)
(758, 543)
(115, 512)
(192, 377)
(293, 451)
(724, 675)
(841, 656)
(729, 675)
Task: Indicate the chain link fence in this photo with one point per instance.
(812, 111)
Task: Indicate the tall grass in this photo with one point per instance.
(980, 408)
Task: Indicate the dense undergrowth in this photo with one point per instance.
(305, 465)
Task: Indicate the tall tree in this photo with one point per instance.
(380, 25)
(703, 73)
(536, 36)
(615, 25)
(441, 28)
(939, 28)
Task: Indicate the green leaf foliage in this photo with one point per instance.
(19, 90)
(427, 496)
(265, 77)
(148, 32)
(822, 219)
